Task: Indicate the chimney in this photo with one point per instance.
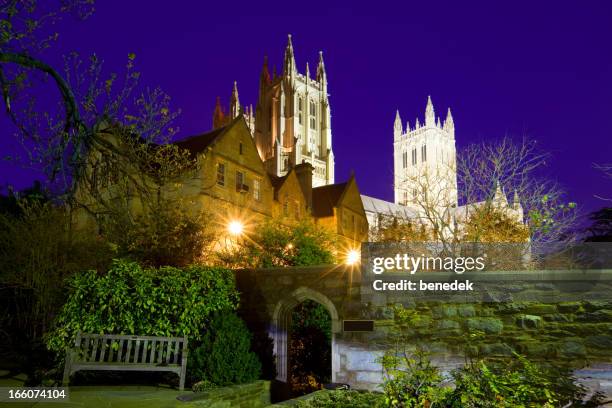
(303, 172)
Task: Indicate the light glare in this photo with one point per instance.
(235, 228)
(353, 257)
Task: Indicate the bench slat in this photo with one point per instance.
(167, 352)
(129, 351)
(173, 350)
(145, 352)
(121, 346)
(103, 349)
(153, 351)
(137, 353)
(94, 349)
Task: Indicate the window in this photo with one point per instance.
(300, 109)
(405, 197)
(221, 174)
(414, 157)
(240, 148)
(256, 190)
(404, 160)
(424, 153)
(297, 210)
(313, 115)
(239, 180)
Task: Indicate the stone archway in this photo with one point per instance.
(280, 328)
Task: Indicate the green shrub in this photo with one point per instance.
(411, 381)
(225, 355)
(516, 382)
(129, 299)
(342, 399)
(273, 244)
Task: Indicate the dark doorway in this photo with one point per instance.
(309, 348)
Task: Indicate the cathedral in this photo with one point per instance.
(425, 176)
(290, 126)
(424, 158)
(291, 122)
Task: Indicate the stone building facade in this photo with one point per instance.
(234, 183)
(291, 123)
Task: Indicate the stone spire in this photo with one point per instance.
(515, 200)
(438, 124)
(265, 74)
(397, 126)
(430, 116)
(307, 70)
(235, 102)
(407, 126)
(499, 198)
(218, 115)
(449, 124)
(321, 75)
(289, 63)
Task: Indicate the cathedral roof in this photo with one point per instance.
(378, 206)
(325, 198)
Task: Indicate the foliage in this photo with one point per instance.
(411, 381)
(169, 235)
(309, 347)
(490, 224)
(224, 356)
(394, 229)
(39, 249)
(520, 383)
(342, 399)
(274, 244)
(516, 166)
(129, 299)
(544, 218)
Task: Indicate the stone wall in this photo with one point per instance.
(564, 317)
(251, 395)
(561, 317)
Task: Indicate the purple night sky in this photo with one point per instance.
(541, 69)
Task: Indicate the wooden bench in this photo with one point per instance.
(127, 353)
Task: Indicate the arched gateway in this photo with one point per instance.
(268, 297)
(282, 319)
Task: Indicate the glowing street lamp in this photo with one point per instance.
(353, 257)
(235, 228)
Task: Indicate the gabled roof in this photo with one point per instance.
(277, 183)
(199, 143)
(325, 198)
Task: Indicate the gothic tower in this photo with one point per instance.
(292, 120)
(220, 118)
(425, 161)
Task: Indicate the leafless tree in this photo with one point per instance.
(489, 174)
(517, 167)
